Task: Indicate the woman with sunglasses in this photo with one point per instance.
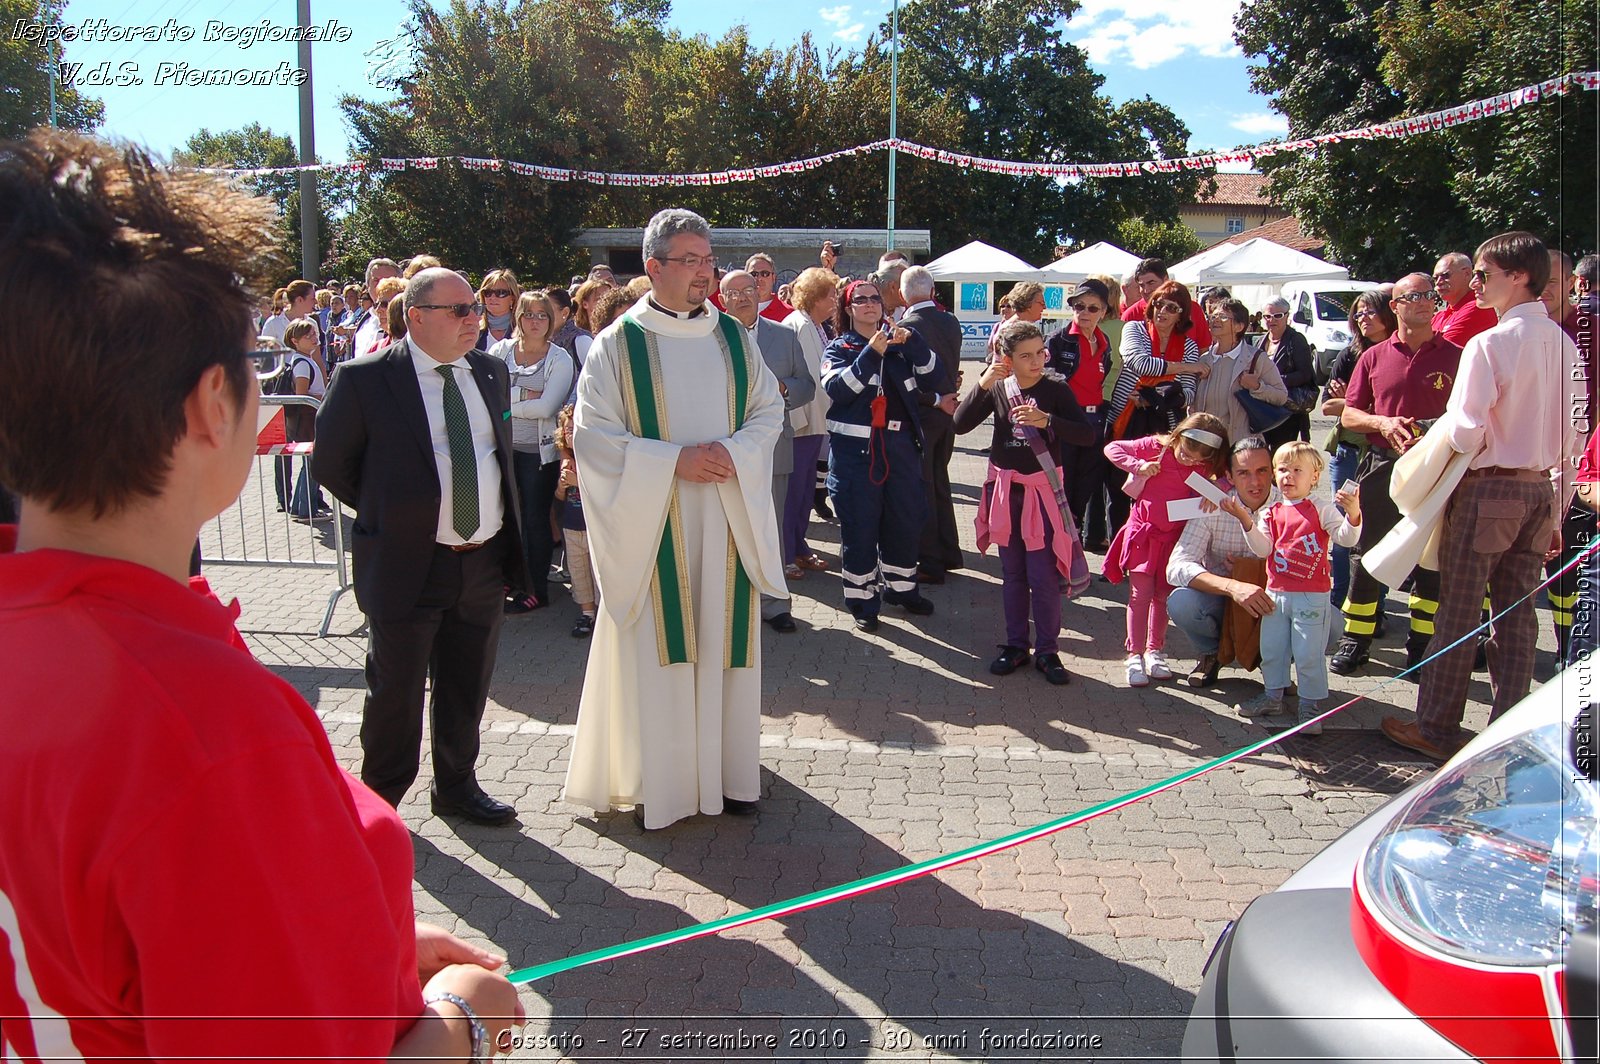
(499, 295)
(1155, 386)
(1081, 355)
(1291, 353)
(542, 375)
(871, 372)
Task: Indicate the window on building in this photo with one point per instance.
(1235, 225)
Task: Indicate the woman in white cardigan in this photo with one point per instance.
(815, 297)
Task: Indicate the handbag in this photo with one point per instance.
(1262, 415)
(1302, 397)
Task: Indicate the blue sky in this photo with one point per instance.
(1182, 54)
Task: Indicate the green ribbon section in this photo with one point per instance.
(982, 849)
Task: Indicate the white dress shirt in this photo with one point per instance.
(1515, 393)
(367, 335)
(491, 509)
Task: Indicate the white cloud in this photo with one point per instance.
(1129, 31)
(840, 17)
(1261, 124)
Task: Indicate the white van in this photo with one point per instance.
(1321, 311)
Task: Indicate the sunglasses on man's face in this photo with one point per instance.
(762, 273)
(1278, 316)
(457, 310)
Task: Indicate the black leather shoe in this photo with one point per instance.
(738, 806)
(867, 624)
(1054, 671)
(914, 604)
(473, 805)
(782, 622)
(1010, 660)
(1348, 657)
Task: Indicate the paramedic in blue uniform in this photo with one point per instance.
(875, 461)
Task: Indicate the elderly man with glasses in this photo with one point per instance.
(674, 432)
(1459, 317)
(1398, 386)
(436, 540)
(769, 306)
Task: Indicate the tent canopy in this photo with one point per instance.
(1103, 258)
(978, 261)
(1257, 261)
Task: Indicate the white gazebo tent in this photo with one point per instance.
(1103, 258)
(1258, 261)
(1255, 270)
(973, 271)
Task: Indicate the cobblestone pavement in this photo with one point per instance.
(877, 751)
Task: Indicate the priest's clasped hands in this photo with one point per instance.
(705, 463)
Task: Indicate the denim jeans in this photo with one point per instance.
(1198, 615)
(1341, 469)
(307, 496)
(1296, 631)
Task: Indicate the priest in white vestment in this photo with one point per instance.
(676, 420)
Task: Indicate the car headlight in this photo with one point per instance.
(1495, 861)
(1339, 336)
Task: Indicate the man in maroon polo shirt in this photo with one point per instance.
(1461, 318)
(1396, 384)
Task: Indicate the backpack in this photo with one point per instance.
(297, 420)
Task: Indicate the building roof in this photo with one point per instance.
(1238, 190)
(1285, 231)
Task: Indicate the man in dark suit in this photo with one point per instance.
(941, 543)
(416, 440)
(780, 350)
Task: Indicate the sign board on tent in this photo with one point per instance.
(975, 338)
(974, 296)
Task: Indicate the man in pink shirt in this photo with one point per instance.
(1462, 317)
(1511, 409)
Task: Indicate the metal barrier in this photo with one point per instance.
(256, 531)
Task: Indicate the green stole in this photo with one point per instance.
(671, 596)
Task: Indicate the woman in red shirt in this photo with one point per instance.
(185, 871)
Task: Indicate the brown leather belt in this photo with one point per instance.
(464, 548)
(1504, 471)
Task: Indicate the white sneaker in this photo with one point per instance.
(1262, 705)
(1155, 663)
(1137, 677)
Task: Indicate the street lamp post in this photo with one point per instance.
(894, 100)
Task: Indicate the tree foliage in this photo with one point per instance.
(1390, 206)
(25, 75)
(253, 146)
(604, 85)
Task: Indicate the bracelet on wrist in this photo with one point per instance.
(480, 1036)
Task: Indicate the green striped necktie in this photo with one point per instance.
(463, 459)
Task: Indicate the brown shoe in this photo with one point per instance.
(812, 562)
(1204, 673)
(1409, 735)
